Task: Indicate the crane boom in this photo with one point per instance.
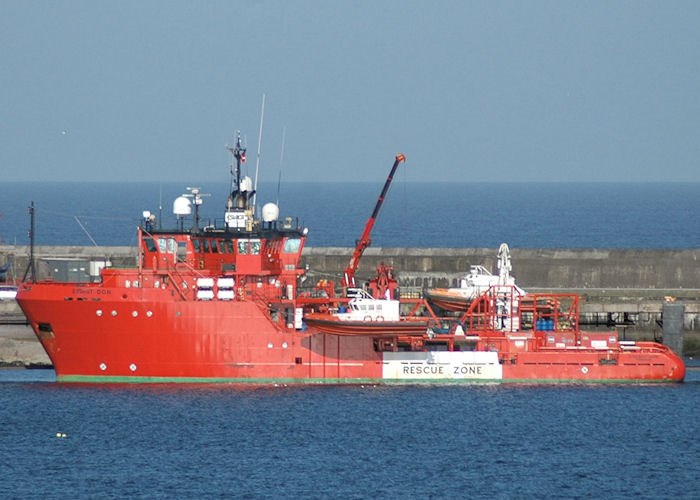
(365, 240)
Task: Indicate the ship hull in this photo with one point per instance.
(92, 334)
(143, 337)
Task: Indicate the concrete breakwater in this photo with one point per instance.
(620, 288)
(533, 268)
(440, 267)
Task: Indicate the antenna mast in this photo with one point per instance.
(196, 194)
(239, 207)
(238, 152)
(257, 165)
(279, 176)
(31, 265)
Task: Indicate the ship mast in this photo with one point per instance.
(31, 266)
(239, 209)
(238, 152)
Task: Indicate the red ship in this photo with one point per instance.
(223, 304)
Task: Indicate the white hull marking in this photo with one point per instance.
(460, 365)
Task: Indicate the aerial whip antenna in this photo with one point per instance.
(257, 165)
(86, 231)
(160, 207)
(279, 176)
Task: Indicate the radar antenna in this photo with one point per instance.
(196, 195)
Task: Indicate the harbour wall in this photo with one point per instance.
(619, 288)
(442, 267)
(533, 268)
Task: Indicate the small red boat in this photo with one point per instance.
(329, 323)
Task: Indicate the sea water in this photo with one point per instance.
(474, 215)
(232, 441)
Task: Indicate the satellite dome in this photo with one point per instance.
(182, 206)
(270, 212)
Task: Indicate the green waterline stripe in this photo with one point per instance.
(336, 381)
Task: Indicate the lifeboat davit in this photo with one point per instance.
(474, 284)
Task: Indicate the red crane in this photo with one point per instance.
(365, 241)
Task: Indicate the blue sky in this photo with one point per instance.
(468, 91)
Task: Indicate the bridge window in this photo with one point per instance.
(292, 245)
(225, 246)
(251, 247)
(182, 251)
(197, 245)
(213, 247)
(150, 244)
(167, 245)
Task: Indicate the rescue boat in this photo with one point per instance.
(365, 315)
